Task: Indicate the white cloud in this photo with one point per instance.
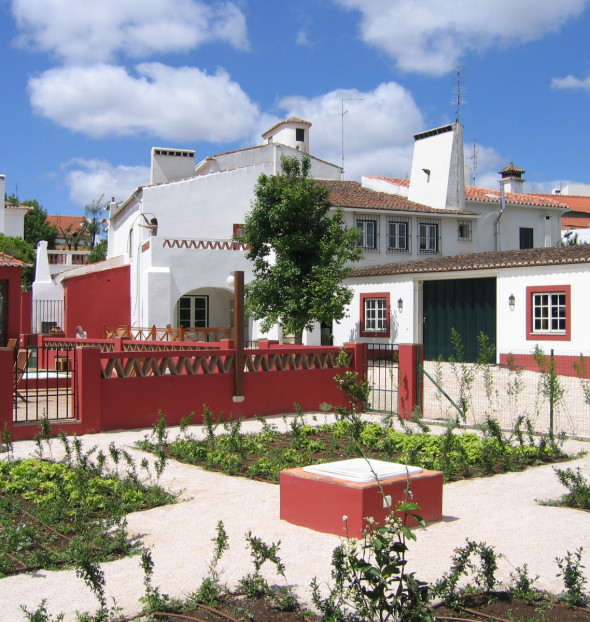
(431, 36)
(378, 128)
(90, 179)
(182, 104)
(81, 32)
(571, 82)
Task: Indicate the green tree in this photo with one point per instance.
(98, 253)
(19, 249)
(301, 251)
(94, 213)
(36, 227)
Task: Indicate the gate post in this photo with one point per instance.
(410, 379)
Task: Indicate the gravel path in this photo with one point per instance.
(501, 511)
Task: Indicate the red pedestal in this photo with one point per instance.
(319, 502)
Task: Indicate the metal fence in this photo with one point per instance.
(544, 392)
(381, 370)
(48, 391)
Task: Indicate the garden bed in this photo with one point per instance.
(263, 455)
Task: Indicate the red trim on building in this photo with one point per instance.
(540, 336)
(375, 333)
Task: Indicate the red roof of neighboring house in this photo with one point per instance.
(8, 260)
(574, 202)
(63, 222)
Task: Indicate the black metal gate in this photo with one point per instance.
(381, 370)
(44, 391)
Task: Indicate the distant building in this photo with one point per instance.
(12, 217)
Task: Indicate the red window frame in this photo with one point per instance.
(236, 230)
(374, 333)
(554, 289)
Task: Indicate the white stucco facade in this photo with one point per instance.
(518, 275)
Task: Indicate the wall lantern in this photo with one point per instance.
(511, 302)
(400, 305)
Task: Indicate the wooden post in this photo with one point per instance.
(239, 335)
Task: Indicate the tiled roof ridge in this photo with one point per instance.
(518, 258)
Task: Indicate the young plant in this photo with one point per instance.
(152, 599)
(573, 578)
(370, 577)
(41, 614)
(255, 585)
(483, 574)
(578, 486)
(210, 590)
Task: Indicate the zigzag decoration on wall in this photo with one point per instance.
(220, 245)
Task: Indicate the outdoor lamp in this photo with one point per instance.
(511, 302)
(400, 305)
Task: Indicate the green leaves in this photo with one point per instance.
(300, 251)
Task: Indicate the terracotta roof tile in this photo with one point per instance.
(9, 205)
(554, 255)
(351, 194)
(487, 195)
(63, 222)
(8, 260)
(574, 202)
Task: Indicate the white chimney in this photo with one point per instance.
(171, 165)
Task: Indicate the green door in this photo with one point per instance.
(468, 306)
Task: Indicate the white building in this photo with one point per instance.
(178, 234)
(12, 217)
(518, 299)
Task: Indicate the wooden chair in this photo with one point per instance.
(20, 367)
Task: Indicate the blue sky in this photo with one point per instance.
(90, 87)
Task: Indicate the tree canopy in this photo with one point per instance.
(93, 213)
(36, 227)
(19, 249)
(300, 249)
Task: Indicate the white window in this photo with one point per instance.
(375, 315)
(397, 236)
(428, 237)
(193, 311)
(368, 237)
(549, 312)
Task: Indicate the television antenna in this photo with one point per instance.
(342, 113)
(473, 157)
(458, 93)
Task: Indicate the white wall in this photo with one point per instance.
(511, 325)
(402, 325)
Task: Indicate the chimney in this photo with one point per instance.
(3, 191)
(512, 178)
(171, 165)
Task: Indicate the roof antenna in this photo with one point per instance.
(473, 158)
(458, 91)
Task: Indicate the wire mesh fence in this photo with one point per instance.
(546, 392)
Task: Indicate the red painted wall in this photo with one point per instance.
(565, 365)
(12, 274)
(92, 300)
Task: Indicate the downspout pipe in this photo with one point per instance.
(502, 210)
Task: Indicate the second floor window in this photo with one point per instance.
(397, 236)
(428, 237)
(368, 237)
